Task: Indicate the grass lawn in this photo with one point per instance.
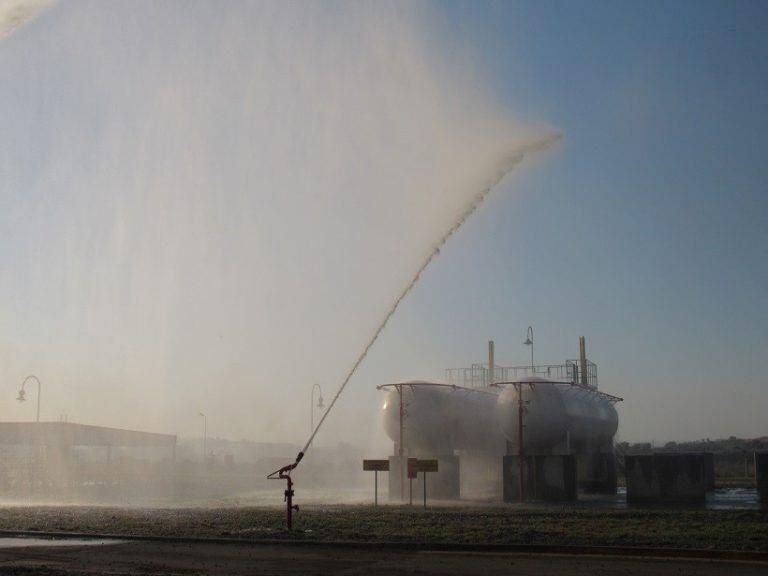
(708, 529)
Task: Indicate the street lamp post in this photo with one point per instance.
(520, 451)
(520, 410)
(529, 342)
(22, 393)
(320, 406)
(205, 434)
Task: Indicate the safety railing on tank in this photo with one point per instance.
(478, 375)
(586, 374)
(566, 386)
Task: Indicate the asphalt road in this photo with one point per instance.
(139, 557)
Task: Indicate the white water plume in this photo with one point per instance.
(519, 156)
(15, 13)
(212, 209)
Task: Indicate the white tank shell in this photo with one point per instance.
(441, 419)
(552, 410)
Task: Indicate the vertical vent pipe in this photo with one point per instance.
(583, 359)
(491, 364)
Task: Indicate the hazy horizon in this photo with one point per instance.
(211, 207)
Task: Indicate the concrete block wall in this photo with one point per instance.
(761, 475)
(546, 478)
(666, 478)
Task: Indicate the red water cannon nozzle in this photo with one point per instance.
(284, 473)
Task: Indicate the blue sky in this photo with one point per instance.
(648, 229)
(210, 208)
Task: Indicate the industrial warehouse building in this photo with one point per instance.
(66, 458)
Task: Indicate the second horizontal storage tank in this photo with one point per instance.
(439, 419)
(556, 412)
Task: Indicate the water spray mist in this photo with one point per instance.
(520, 154)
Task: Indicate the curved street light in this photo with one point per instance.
(529, 342)
(23, 394)
(320, 406)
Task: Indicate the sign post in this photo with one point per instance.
(425, 466)
(376, 466)
(413, 470)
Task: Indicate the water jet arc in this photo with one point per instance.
(520, 154)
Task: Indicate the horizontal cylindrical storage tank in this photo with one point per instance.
(554, 409)
(439, 419)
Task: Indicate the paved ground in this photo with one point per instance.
(217, 559)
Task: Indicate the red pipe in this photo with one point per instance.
(289, 504)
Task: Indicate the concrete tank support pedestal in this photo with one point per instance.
(547, 478)
(596, 473)
(666, 478)
(441, 485)
(394, 481)
(445, 483)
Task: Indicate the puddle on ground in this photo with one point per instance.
(719, 499)
(22, 542)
